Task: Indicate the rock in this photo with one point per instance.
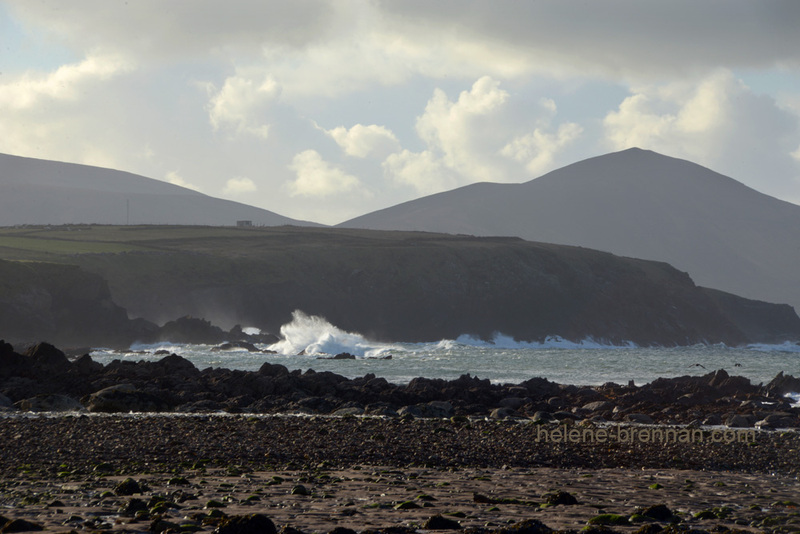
(713, 420)
(5, 403)
(438, 522)
(640, 418)
(124, 398)
(128, 487)
(560, 497)
(502, 413)
(50, 403)
(659, 512)
(542, 416)
(300, 490)
(513, 403)
(782, 384)
(528, 526)
(21, 525)
(777, 420)
(231, 345)
(246, 524)
(738, 421)
(599, 406)
(344, 356)
(47, 358)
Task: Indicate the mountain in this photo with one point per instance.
(633, 203)
(34, 191)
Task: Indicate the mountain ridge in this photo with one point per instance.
(634, 203)
(37, 191)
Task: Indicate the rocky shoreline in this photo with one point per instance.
(279, 450)
(43, 379)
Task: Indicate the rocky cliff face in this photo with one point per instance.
(386, 285)
(64, 304)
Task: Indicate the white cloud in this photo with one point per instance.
(422, 170)
(482, 136)
(65, 83)
(175, 179)
(718, 122)
(361, 141)
(537, 150)
(318, 178)
(243, 104)
(239, 186)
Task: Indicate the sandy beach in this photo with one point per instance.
(192, 473)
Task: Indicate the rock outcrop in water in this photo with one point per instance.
(43, 379)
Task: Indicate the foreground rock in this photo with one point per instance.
(44, 379)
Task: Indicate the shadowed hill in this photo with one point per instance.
(394, 286)
(634, 203)
(34, 191)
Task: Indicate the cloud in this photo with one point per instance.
(361, 141)
(614, 38)
(318, 178)
(243, 104)
(239, 186)
(537, 150)
(175, 179)
(64, 84)
(484, 135)
(718, 122)
(425, 172)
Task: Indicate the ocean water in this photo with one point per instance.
(309, 343)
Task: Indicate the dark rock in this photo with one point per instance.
(246, 524)
(738, 421)
(129, 487)
(344, 356)
(50, 403)
(782, 384)
(599, 406)
(21, 525)
(502, 413)
(437, 522)
(560, 497)
(130, 508)
(659, 512)
(342, 530)
(47, 358)
(528, 526)
(192, 330)
(124, 398)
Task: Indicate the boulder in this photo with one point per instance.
(47, 358)
(50, 403)
(599, 406)
(738, 421)
(124, 398)
(246, 524)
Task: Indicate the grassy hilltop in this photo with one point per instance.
(396, 285)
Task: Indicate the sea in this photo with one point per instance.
(310, 342)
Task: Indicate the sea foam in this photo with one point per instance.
(312, 335)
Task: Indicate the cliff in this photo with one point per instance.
(395, 286)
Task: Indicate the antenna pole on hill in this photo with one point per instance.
(127, 212)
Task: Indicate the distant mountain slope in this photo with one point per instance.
(633, 203)
(34, 191)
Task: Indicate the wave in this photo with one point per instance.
(313, 335)
(502, 341)
(786, 346)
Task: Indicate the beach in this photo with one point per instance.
(314, 473)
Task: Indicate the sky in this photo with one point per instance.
(326, 110)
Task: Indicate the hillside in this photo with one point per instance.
(36, 191)
(633, 203)
(399, 286)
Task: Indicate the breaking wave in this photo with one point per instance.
(312, 335)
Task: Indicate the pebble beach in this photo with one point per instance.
(199, 473)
